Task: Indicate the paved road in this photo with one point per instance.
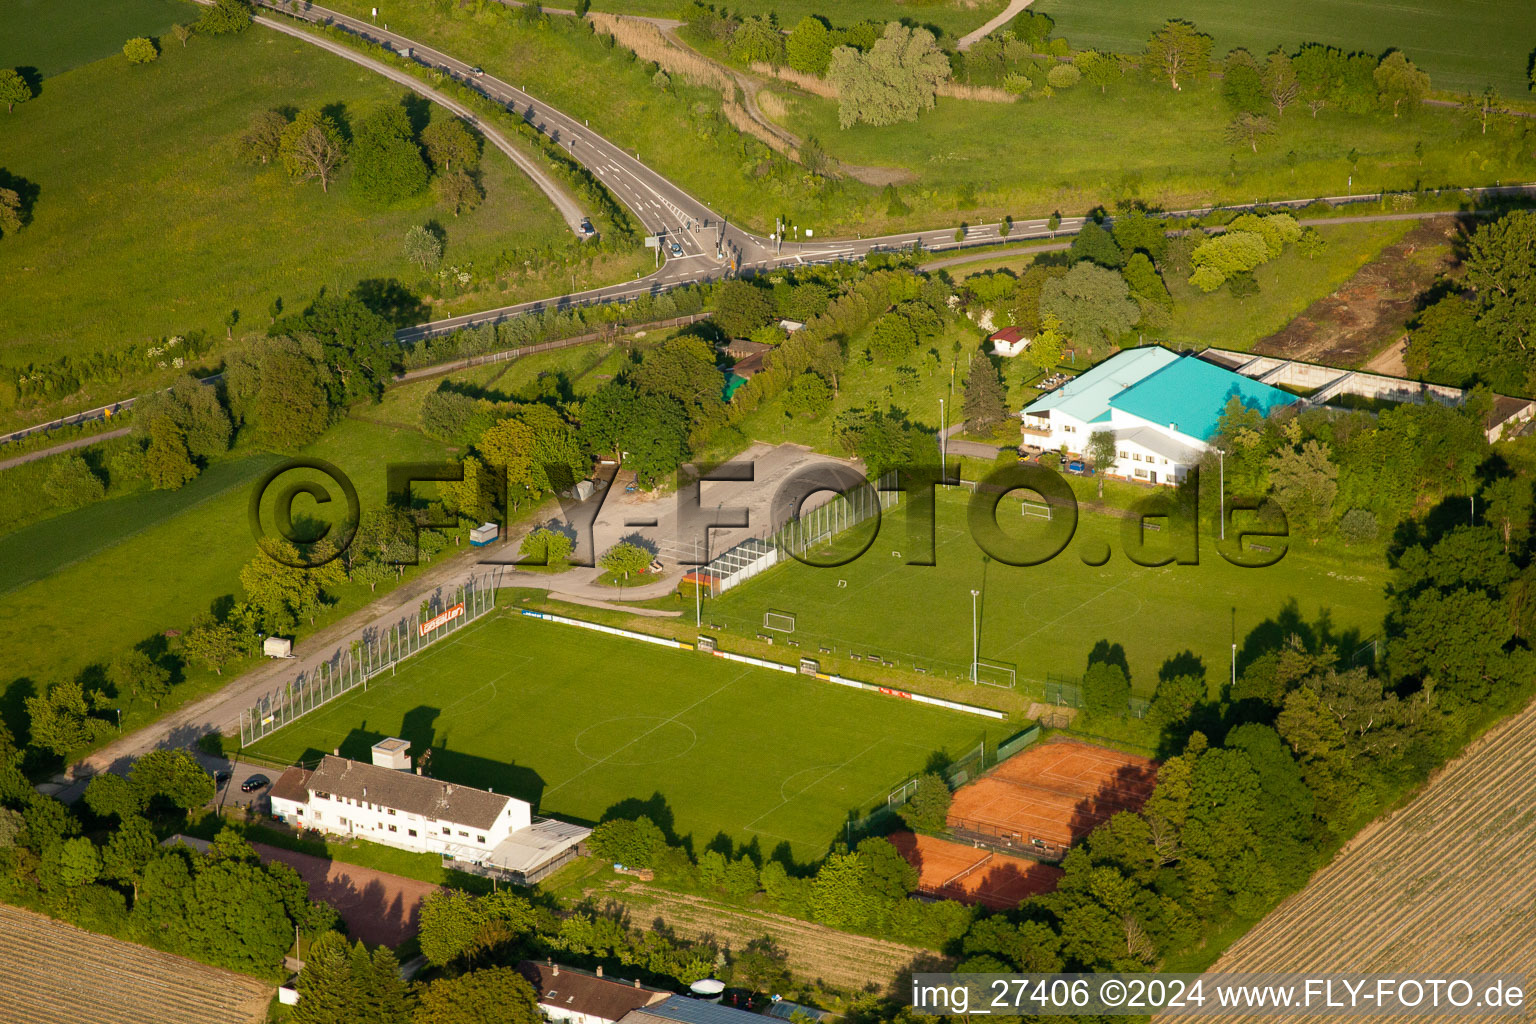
(79, 442)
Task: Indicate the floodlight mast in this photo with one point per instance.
(975, 636)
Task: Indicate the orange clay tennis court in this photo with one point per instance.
(1053, 794)
(955, 871)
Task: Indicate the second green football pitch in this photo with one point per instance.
(1046, 619)
(582, 724)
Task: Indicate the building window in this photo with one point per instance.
(299, 811)
(1125, 455)
(393, 829)
(322, 796)
(447, 832)
(481, 839)
(317, 816)
(464, 834)
(1141, 473)
(410, 832)
(391, 810)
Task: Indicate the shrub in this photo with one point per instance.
(635, 843)
(1063, 76)
(1358, 526)
(71, 483)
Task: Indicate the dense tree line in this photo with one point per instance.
(108, 873)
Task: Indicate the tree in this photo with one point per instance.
(312, 147)
(1096, 244)
(1482, 107)
(928, 809)
(1224, 255)
(625, 558)
(387, 165)
(1280, 82)
(1508, 504)
(652, 430)
(71, 482)
(1248, 129)
(1399, 79)
(1092, 303)
(1102, 451)
(1178, 50)
(136, 673)
(494, 995)
(546, 547)
(140, 50)
(809, 394)
(225, 17)
(174, 775)
(213, 643)
(458, 191)
(1106, 690)
(1306, 482)
(14, 88)
(182, 32)
(109, 794)
(73, 863)
(167, 460)
(986, 400)
(282, 589)
(128, 851)
(1242, 82)
(356, 346)
(195, 409)
(1097, 68)
(10, 210)
(809, 47)
(1135, 230)
(741, 307)
(280, 387)
(423, 247)
(762, 966)
(450, 145)
(894, 82)
(634, 843)
(1317, 75)
(60, 720)
(893, 338)
(1500, 267)
(262, 141)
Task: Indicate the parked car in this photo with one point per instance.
(220, 777)
(254, 783)
(586, 228)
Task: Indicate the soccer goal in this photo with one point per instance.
(784, 622)
(1037, 509)
(995, 673)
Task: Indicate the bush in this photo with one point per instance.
(1063, 76)
(71, 483)
(1358, 526)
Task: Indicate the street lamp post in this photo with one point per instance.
(975, 636)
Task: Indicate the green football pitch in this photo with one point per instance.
(582, 724)
(1046, 619)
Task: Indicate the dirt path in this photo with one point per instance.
(1013, 10)
(815, 951)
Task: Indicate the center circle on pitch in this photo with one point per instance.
(636, 740)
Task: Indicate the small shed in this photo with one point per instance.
(277, 647)
(485, 533)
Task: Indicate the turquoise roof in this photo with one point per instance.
(1190, 395)
(1086, 397)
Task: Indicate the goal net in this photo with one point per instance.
(995, 673)
(1037, 509)
(784, 622)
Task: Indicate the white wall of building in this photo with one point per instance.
(394, 827)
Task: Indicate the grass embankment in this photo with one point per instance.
(145, 164)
